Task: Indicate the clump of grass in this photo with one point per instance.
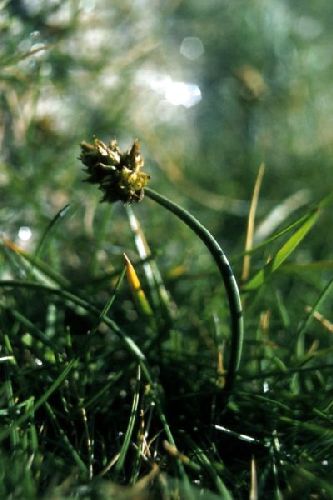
(106, 393)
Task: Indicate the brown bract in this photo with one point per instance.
(118, 175)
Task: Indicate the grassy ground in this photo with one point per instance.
(114, 370)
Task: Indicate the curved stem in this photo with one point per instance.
(230, 284)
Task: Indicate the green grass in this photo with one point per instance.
(96, 393)
(110, 391)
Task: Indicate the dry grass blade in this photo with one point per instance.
(254, 482)
(328, 325)
(158, 291)
(250, 223)
(136, 288)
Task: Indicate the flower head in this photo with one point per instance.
(118, 174)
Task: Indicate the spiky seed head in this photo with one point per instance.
(118, 175)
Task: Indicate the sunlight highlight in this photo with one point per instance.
(24, 233)
(176, 93)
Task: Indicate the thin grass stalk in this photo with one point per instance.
(250, 224)
(230, 284)
(130, 427)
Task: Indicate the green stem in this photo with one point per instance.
(230, 284)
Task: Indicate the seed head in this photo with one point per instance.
(118, 174)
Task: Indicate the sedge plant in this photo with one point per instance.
(120, 177)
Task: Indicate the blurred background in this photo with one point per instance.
(212, 90)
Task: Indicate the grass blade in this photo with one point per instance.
(250, 223)
(130, 427)
(34, 266)
(57, 218)
(282, 254)
(158, 291)
(67, 444)
(136, 288)
(53, 387)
